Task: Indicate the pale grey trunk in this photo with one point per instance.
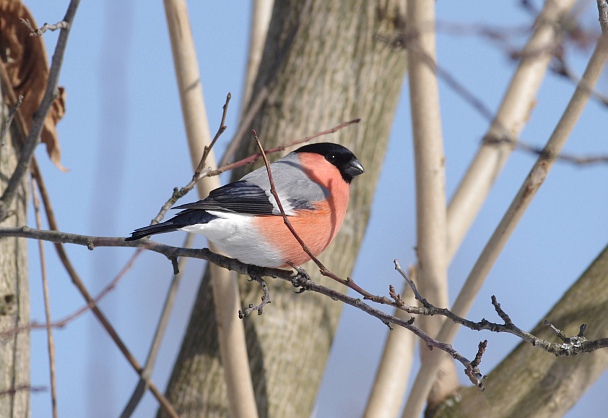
(14, 290)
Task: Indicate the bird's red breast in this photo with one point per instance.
(316, 227)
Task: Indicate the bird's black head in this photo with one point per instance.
(339, 156)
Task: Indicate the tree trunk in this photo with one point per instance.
(533, 383)
(324, 62)
(14, 289)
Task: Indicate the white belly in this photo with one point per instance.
(233, 234)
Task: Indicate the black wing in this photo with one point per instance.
(240, 196)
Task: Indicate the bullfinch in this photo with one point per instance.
(243, 220)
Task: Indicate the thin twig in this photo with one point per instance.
(219, 133)
(13, 390)
(47, 304)
(61, 323)
(199, 173)
(38, 32)
(473, 371)
(322, 269)
(411, 284)
(578, 160)
(7, 123)
(244, 124)
(254, 157)
(253, 273)
(603, 15)
(306, 283)
(39, 116)
(274, 192)
(560, 67)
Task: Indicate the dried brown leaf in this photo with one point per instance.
(26, 66)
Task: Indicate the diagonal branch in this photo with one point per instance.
(7, 123)
(33, 138)
(47, 304)
(348, 282)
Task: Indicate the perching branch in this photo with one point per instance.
(303, 282)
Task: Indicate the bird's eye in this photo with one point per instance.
(331, 158)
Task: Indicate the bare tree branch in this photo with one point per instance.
(47, 304)
(603, 16)
(13, 390)
(61, 323)
(302, 281)
(256, 276)
(7, 123)
(52, 27)
(33, 138)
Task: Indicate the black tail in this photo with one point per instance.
(182, 219)
(151, 230)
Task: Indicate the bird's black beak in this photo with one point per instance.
(354, 168)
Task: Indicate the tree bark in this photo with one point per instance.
(533, 383)
(14, 289)
(324, 62)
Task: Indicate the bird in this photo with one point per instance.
(243, 219)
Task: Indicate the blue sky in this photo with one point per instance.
(124, 144)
